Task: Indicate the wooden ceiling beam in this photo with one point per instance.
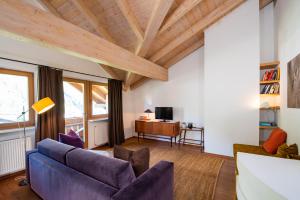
(158, 15)
(110, 71)
(264, 3)
(205, 22)
(48, 6)
(94, 22)
(92, 19)
(182, 10)
(27, 23)
(131, 19)
(160, 11)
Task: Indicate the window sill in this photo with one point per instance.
(16, 129)
(98, 120)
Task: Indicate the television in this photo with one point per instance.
(164, 113)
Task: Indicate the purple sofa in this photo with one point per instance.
(58, 171)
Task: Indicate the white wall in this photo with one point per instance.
(231, 93)
(288, 28)
(267, 33)
(183, 91)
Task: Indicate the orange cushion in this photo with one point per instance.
(277, 138)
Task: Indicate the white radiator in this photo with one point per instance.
(12, 156)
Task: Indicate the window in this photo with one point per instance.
(84, 100)
(16, 89)
(99, 95)
(75, 108)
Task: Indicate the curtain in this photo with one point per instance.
(115, 113)
(52, 122)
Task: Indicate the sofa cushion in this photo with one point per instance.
(114, 172)
(74, 141)
(139, 159)
(54, 149)
(72, 133)
(277, 138)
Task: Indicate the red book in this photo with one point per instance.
(270, 75)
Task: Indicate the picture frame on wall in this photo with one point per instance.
(293, 90)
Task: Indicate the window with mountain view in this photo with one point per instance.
(16, 90)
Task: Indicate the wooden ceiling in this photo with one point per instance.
(161, 31)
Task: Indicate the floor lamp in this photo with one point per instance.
(39, 107)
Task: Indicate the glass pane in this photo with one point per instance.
(74, 107)
(99, 100)
(14, 96)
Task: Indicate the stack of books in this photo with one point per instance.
(270, 89)
(271, 75)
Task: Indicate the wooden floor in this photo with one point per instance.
(225, 188)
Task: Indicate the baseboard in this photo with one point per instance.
(22, 172)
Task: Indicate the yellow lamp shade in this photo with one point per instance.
(43, 105)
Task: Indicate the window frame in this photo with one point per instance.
(30, 76)
(85, 88)
(91, 116)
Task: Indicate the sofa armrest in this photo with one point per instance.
(245, 148)
(156, 183)
(27, 163)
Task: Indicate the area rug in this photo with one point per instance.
(196, 173)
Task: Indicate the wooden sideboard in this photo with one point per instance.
(157, 128)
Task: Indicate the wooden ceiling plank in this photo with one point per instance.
(182, 9)
(131, 18)
(160, 11)
(27, 23)
(208, 20)
(94, 22)
(92, 19)
(48, 6)
(158, 15)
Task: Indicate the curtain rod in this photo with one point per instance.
(30, 63)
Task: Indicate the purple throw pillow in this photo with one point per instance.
(72, 133)
(70, 140)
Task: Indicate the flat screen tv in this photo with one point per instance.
(164, 113)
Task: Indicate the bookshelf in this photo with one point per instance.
(269, 65)
(271, 108)
(269, 92)
(268, 127)
(269, 82)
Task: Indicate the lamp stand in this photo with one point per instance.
(24, 181)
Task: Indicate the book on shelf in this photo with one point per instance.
(271, 75)
(267, 124)
(270, 89)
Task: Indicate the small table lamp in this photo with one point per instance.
(148, 111)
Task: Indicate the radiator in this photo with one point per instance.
(12, 158)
